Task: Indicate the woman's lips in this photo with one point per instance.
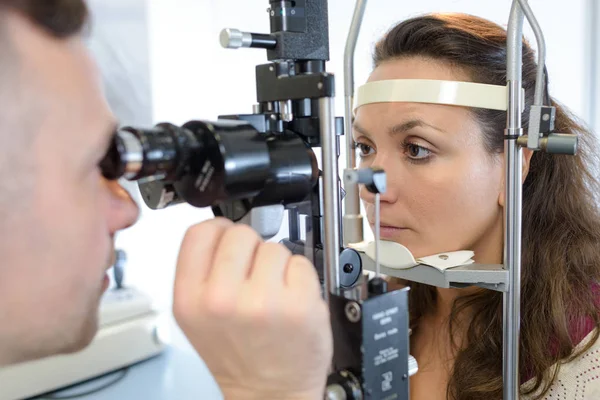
(387, 232)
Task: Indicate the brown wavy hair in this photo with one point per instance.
(561, 222)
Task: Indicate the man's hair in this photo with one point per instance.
(60, 18)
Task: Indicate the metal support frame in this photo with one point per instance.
(331, 197)
(353, 219)
(592, 30)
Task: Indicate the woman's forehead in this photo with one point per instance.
(378, 116)
(418, 68)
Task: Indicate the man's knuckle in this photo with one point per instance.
(242, 232)
(217, 304)
(276, 250)
(258, 311)
(197, 232)
(300, 261)
(183, 307)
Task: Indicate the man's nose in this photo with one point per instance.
(124, 211)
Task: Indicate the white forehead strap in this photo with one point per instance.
(467, 94)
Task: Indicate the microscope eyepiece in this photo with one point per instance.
(135, 153)
(203, 163)
(124, 157)
(113, 165)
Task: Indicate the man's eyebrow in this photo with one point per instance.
(104, 142)
(400, 128)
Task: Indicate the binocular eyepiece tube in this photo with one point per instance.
(204, 163)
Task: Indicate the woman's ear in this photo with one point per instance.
(527, 154)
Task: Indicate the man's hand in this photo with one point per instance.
(253, 312)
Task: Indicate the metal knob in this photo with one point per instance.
(234, 38)
(335, 392)
(558, 143)
(413, 367)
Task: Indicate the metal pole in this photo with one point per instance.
(513, 205)
(353, 219)
(331, 195)
(540, 82)
(592, 34)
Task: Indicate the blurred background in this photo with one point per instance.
(161, 61)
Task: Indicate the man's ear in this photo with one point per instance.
(527, 154)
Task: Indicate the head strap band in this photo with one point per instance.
(455, 93)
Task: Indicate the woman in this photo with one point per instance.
(445, 193)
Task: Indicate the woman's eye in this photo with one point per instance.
(364, 149)
(416, 152)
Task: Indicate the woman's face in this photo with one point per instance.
(444, 189)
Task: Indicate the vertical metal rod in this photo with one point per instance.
(592, 31)
(377, 233)
(353, 219)
(513, 205)
(540, 82)
(293, 224)
(331, 196)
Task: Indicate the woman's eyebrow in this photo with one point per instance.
(413, 123)
(400, 128)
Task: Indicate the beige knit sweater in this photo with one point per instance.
(576, 380)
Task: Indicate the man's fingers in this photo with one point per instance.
(270, 266)
(301, 277)
(233, 259)
(197, 250)
(195, 261)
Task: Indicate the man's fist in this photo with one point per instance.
(253, 312)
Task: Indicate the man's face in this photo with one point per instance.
(56, 239)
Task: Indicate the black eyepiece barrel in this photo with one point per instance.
(203, 163)
(141, 153)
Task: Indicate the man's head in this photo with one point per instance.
(58, 216)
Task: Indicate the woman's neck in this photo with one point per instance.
(446, 297)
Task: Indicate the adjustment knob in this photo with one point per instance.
(377, 286)
(234, 39)
(335, 392)
(413, 367)
(558, 143)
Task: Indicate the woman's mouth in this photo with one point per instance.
(388, 232)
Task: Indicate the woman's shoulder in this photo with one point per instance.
(578, 378)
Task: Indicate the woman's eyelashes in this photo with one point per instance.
(416, 153)
(363, 148)
(412, 151)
